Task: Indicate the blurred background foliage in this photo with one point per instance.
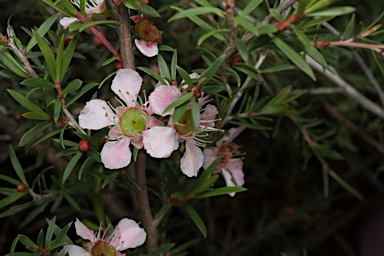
(290, 207)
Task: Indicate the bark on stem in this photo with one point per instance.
(128, 61)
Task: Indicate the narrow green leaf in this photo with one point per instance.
(301, 36)
(148, 10)
(161, 213)
(70, 166)
(16, 165)
(332, 11)
(56, 110)
(345, 185)
(50, 229)
(42, 30)
(69, 10)
(178, 112)
(9, 62)
(59, 58)
(44, 137)
(31, 133)
(36, 116)
(207, 184)
(293, 56)
(83, 90)
(83, 26)
(277, 68)
(163, 67)
(187, 79)
(153, 74)
(180, 101)
(132, 4)
(174, 65)
(110, 178)
(211, 70)
(250, 7)
(195, 109)
(27, 242)
(203, 37)
(37, 82)
(9, 179)
(196, 11)
(242, 49)
(71, 201)
(67, 57)
(47, 54)
(74, 85)
(317, 56)
(220, 191)
(196, 219)
(10, 199)
(207, 172)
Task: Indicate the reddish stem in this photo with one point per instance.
(283, 25)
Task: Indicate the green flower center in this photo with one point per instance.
(133, 122)
(103, 248)
(184, 125)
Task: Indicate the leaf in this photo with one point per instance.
(37, 82)
(36, 116)
(220, 191)
(211, 33)
(132, 4)
(250, 7)
(345, 185)
(211, 70)
(332, 11)
(180, 101)
(83, 90)
(44, 137)
(195, 110)
(27, 242)
(70, 166)
(242, 49)
(42, 30)
(49, 234)
(59, 58)
(153, 74)
(178, 112)
(74, 85)
(161, 250)
(196, 219)
(294, 57)
(31, 133)
(277, 68)
(9, 179)
(67, 57)
(206, 173)
(196, 11)
(72, 201)
(9, 62)
(16, 165)
(148, 10)
(83, 26)
(174, 65)
(10, 199)
(47, 54)
(163, 67)
(109, 179)
(187, 79)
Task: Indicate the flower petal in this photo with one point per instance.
(233, 133)
(207, 118)
(83, 231)
(228, 180)
(73, 250)
(66, 21)
(127, 234)
(192, 160)
(96, 115)
(116, 154)
(235, 167)
(126, 85)
(147, 49)
(160, 141)
(161, 97)
(209, 156)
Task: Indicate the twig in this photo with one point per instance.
(231, 24)
(331, 74)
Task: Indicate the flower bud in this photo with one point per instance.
(148, 32)
(20, 187)
(83, 145)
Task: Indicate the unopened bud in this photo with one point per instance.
(20, 187)
(83, 145)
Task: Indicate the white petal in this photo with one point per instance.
(66, 21)
(161, 97)
(233, 133)
(209, 156)
(83, 231)
(228, 180)
(207, 118)
(147, 49)
(96, 115)
(127, 234)
(192, 160)
(126, 85)
(160, 141)
(73, 250)
(235, 167)
(116, 154)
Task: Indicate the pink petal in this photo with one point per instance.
(154, 122)
(83, 231)
(116, 154)
(228, 180)
(235, 167)
(100, 7)
(160, 141)
(126, 85)
(96, 115)
(207, 118)
(233, 133)
(161, 97)
(66, 21)
(137, 141)
(193, 75)
(209, 156)
(192, 160)
(147, 49)
(73, 250)
(127, 234)
(115, 132)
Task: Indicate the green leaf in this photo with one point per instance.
(37, 82)
(42, 30)
(59, 58)
(67, 152)
(85, 166)
(161, 250)
(196, 219)
(242, 49)
(71, 201)
(9, 179)
(70, 166)
(161, 213)
(36, 116)
(250, 7)
(9, 62)
(44, 137)
(27, 242)
(133, 4)
(174, 65)
(209, 182)
(332, 11)
(207, 173)
(69, 9)
(49, 234)
(195, 110)
(16, 165)
(148, 10)
(196, 11)
(163, 67)
(178, 112)
(345, 185)
(153, 74)
(67, 57)
(211, 70)
(301, 36)
(56, 110)
(83, 26)
(10, 199)
(293, 56)
(187, 79)
(317, 56)
(83, 90)
(209, 34)
(180, 101)
(47, 54)
(277, 68)
(31, 133)
(72, 86)
(220, 191)
(109, 179)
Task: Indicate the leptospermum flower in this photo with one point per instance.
(230, 165)
(161, 141)
(148, 36)
(91, 7)
(128, 121)
(127, 234)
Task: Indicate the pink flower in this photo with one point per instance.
(161, 141)
(127, 234)
(148, 36)
(91, 7)
(148, 49)
(127, 121)
(230, 165)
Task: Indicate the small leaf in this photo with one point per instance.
(27, 242)
(83, 90)
(49, 234)
(9, 61)
(42, 30)
(211, 71)
(332, 11)
(132, 4)
(250, 7)
(70, 166)
(220, 191)
(174, 65)
(196, 219)
(83, 26)
(163, 67)
(110, 178)
(67, 57)
(195, 109)
(47, 54)
(31, 133)
(37, 82)
(36, 116)
(211, 33)
(16, 165)
(180, 101)
(10, 199)
(153, 74)
(72, 86)
(242, 49)
(148, 10)
(71, 201)
(196, 11)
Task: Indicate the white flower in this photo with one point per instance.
(91, 7)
